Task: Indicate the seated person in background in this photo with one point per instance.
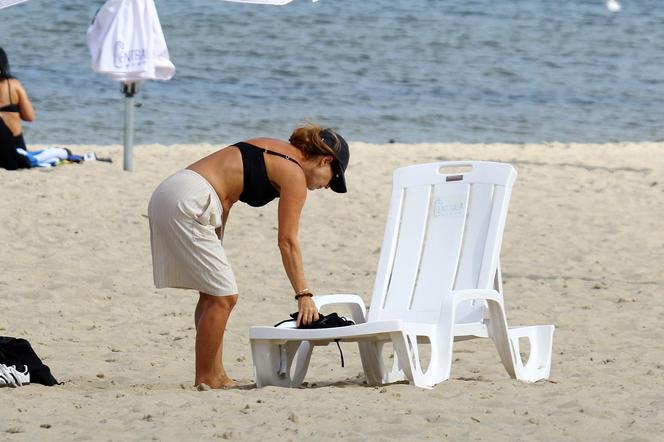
(14, 107)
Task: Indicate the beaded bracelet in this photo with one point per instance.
(299, 295)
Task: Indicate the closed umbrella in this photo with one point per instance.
(265, 2)
(126, 43)
(8, 3)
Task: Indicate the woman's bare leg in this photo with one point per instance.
(202, 302)
(200, 307)
(211, 316)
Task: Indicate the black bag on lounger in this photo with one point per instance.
(17, 351)
(324, 321)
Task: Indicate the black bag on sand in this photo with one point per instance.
(17, 351)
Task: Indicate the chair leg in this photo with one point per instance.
(407, 354)
(303, 356)
(273, 361)
(498, 333)
(440, 366)
(402, 352)
(372, 361)
(507, 343)
(540, 339)
(405, 349)
(265, 355)
(396, 373)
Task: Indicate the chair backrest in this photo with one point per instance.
(443, 232)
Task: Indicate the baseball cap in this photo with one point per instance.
(341, 158)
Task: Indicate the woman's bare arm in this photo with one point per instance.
(293, 194)
(26, 110)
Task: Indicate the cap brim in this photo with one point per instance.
(338, 182)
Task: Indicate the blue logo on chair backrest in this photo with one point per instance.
(447, 208)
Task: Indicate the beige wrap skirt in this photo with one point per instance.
(184, 212)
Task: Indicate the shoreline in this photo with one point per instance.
(359, 142)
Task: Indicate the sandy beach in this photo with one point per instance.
(583, 249)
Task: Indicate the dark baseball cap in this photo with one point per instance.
(341, 158)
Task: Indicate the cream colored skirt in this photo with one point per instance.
(184, 212)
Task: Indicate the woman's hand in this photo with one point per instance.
(307, 311)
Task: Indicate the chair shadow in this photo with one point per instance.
(348, 383)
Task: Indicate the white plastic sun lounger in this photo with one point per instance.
(438, 281)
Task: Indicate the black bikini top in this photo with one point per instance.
(257, 190)
(10, 107)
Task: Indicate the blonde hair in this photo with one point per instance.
(308, 139)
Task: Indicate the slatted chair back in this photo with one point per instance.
(443, 232)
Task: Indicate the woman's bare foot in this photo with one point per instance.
(223, 382)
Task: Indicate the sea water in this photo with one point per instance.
(376, 70)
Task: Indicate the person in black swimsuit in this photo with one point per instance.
(197, 202)
(14, 107)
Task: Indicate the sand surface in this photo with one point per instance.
(583, 249)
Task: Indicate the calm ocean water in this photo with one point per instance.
(407, 70)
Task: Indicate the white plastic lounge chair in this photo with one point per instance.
(438, 281)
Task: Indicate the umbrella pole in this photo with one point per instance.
(129, 90)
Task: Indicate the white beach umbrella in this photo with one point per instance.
(126, 43)
(8, 3)
(262, 2)
(265, 2)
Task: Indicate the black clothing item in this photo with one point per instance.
(9, 158)
(10, 107)
(325, 321)
(17, 351)
(257, 190)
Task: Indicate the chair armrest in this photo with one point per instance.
(353, 302)
(469, 294)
